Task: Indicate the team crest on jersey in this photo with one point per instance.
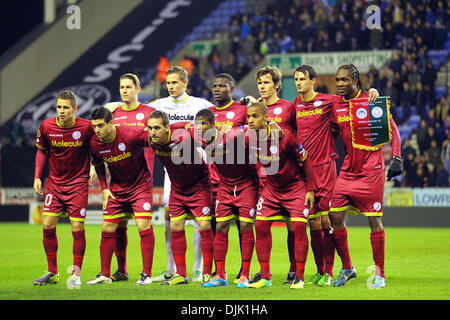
(140, 116)
(317, 103)
(277, 110)
(377, 206)
(230, 115)
(83, 212)
(121, 146)
(306, 212)
(76, 135)
(147, 206)
(206, 210)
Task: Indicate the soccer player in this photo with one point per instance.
(282, 112)
(314, 129)
(237, 192)
(360, 186)
(179, 107)
(134, 114)
(285, 190)
(227, 113)
(130, 192)
(64, 139)
(190, 192)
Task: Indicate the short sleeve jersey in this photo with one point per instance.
(356, 161)
(183, 162)
(314, 127)
(232, 114)
(136, 117)
(280, 159)
(282, 112)
(231, 157)
(124, 156)
(68, 150)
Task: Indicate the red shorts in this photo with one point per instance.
(359, 194)
(325, 179)
(236, 203)
(194, 203)
(137, 204)
(63, 202)
(282, 204)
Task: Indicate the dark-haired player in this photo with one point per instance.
(134, 114)
(190, 192)
(237, 192)
(282, 112)
(314, 129)
(130, 192)
(285, 190)
(64, 139)
(227, 113)
(360, 185)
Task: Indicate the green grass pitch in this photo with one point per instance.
(417, 267)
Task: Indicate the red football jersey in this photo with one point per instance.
(124, 156)
(358, 161)
(232, 114)
(314, 127)
(283, 113)
(231, 157)
(181, 158)
(68, 150)
(136, 117)
(280, 159)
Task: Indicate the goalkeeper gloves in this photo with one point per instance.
(395, 169)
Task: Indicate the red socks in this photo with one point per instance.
(341, 243)
(79, 247)
(301, 247)
(207, 246)
(121, 248)
(147, 250)
(248, 244)
(107, 245)
(263, 246)
(317, 248)
(377, 239)
(328, 250)
(220, 252)
(179, 248)
(291, 250)
(50, 242)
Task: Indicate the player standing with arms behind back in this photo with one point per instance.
(134, 114)
(359, 188)
(65, 140)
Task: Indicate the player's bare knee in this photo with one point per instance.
(109, 226)
(315, 223)
(375, 224)
(245, 226)
(77, 226)
(50, 222)
(337, 220)
(177, 225)
(223, 226)
(204, 225)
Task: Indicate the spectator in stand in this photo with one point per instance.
(445, 153)
(433, 154)
(442, 109)
(442, 176)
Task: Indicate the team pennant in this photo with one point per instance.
(370, 124)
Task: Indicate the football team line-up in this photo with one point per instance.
(287, 173)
